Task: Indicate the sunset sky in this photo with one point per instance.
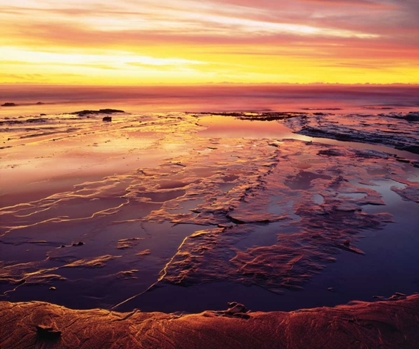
(132, 42)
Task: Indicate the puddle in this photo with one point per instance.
(162, 196)
(187, 206)
(225, 187)
(303, 180)
(229, 127)
(172, 185)
(318, 199)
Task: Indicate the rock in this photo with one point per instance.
(52, 288)
(332, 152)
(8, 104)
(85, 112)
(236, 310)
(343, 137)
(402, 160)
(412, 116)
(100, 111)
(39, 103)
(107, 119)
(36, 120)
(386, 133)
(80, 243)
(397, 296)
(235, 307)
(411, 148)
(11, 122)
(241, 316)
(47, 332)
(110, 111)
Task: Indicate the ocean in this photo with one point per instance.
(356, 98)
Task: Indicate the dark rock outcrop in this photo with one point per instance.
(96, 112)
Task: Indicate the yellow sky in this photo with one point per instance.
(132, 42)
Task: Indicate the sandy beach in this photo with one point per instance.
(361, 325)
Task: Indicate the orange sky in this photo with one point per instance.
(132, 42)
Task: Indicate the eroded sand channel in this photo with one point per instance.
(95, 214)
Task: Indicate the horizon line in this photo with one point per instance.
(209, 84)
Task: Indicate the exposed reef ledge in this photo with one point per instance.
(397, 130)
(96, 112)
(383, 324)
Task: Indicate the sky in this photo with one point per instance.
(182, 42)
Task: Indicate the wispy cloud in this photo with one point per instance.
(196, 36)
(110, 59)
(189, 18)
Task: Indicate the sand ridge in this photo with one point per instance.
(382, 324)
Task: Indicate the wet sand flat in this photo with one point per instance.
(184, 212)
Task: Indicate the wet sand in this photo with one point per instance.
(183, 212)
